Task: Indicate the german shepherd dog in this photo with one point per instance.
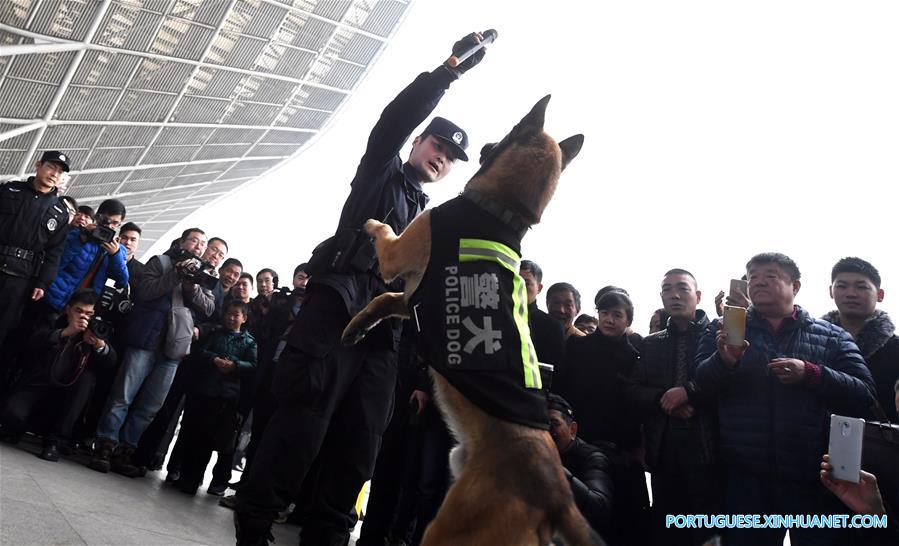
(509, 488)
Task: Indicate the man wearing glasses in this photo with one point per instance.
(158, 336)
(90, 258)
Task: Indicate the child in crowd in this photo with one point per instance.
(210, 413)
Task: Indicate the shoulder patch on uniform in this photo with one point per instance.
(52, 224)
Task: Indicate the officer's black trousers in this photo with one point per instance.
(14, 292)
(332, 400)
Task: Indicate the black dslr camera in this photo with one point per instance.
(196, 270)
(113, 305)
(103, 233)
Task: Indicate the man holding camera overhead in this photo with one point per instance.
(33, 227)
(159, 332)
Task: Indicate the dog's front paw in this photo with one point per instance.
(372, 227)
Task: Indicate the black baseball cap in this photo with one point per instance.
(57, 157)
(561, 405)
(450, 133)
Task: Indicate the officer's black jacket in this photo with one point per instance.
(384, 183)
(32, 221)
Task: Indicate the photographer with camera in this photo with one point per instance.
(157, 437)
(159, 333)
(64, 360)
(91, 256)
(333, 398)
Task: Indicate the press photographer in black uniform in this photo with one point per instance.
(336, 400)
(33, 226)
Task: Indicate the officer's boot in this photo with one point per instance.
(102, 454)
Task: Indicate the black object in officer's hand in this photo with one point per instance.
(468, 52)
(196, 270)
(103, 233)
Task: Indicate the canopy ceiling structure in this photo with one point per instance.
(170, 104)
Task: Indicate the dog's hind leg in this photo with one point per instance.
(384, 306)
(575, 530)
(477, 512)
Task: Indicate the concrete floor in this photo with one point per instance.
(67, 503)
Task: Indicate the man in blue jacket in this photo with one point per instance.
(331, 398)
(88, 260)
(775, 394)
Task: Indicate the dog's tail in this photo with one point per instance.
(574, 529)
(384, 306)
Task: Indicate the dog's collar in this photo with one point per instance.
(500, 211)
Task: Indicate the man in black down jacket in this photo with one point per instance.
(855, 288)
(775, 394)
(333, 401)
(679, 420)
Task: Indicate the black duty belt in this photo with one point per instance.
(17, 252)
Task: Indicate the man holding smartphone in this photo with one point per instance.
(775, 394)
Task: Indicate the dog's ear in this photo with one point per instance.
(486, 150)
(532, 123)
(571, 146)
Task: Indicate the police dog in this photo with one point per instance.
(509, 485)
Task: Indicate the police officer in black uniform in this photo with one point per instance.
(33, 227)
(335, 401)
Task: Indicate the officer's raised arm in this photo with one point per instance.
(415, 103)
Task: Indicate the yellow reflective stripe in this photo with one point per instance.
(473, 250)
(498, 248)
(475, 254)
(528, 353)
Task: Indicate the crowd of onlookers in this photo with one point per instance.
(115, 351)
(104, 355)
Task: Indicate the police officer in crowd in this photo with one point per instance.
(33, 228)
(336, 400)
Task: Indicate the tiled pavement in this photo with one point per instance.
(67, 503)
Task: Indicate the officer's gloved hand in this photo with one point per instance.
(461, 47)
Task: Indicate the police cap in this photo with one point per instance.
(450, 133)
(57, 157)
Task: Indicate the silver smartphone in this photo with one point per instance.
(845, 447)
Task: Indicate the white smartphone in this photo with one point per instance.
(845, 447)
